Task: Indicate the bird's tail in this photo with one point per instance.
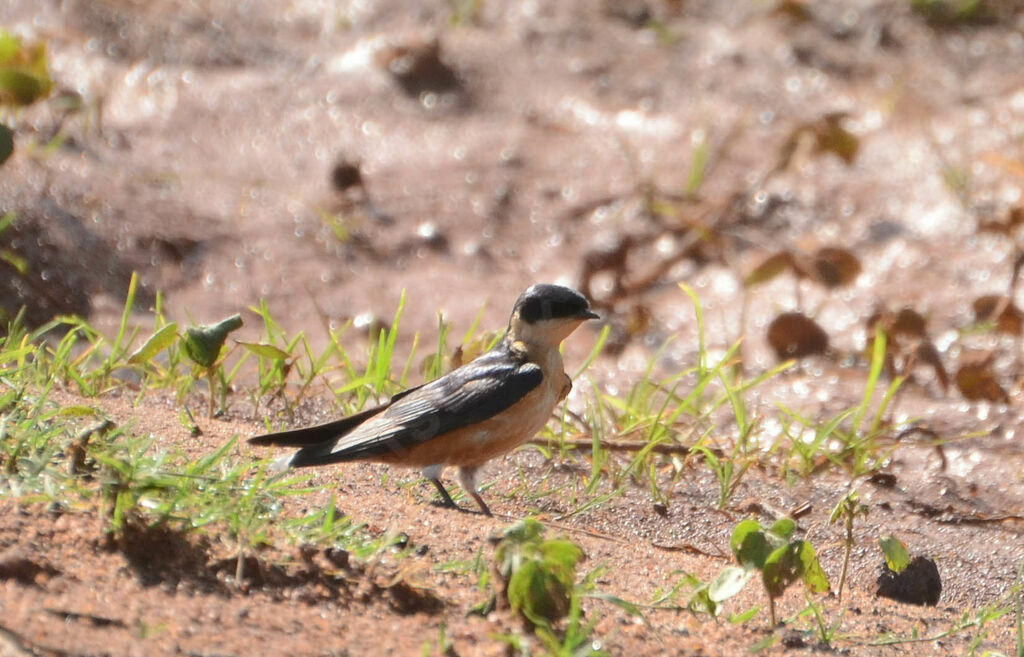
(318, 435)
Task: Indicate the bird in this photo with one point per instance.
(466, 417)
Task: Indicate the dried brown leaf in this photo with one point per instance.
(831, 137)
(976, 381)
(794, 335)
(1001, 310)
(1005, 225)
(835, 266)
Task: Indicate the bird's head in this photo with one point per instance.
(546, 314)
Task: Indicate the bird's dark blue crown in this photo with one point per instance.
(546, 301)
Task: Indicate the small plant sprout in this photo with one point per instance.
(204, 345)
(847, 509)
(781, 560)
(537, 574)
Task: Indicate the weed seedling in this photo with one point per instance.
(847, 509)
(782, 561)
(537, 574)
(204, 345)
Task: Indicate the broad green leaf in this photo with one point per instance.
(813, 576)
(266, 350)
(155, 344)
(896, 556)
(787, 564)
(783, 528)
(782, 568)
(728, 583)
(749, 543)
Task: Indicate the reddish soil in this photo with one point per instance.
(549, 141)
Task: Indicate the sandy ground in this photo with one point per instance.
(214, 153)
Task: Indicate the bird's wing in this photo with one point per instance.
(470, 394)
(328, 432)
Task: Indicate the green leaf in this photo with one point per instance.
(560, 558)
(23, 75)
(156, 343)
(202, 344)
(9, 46)
(524, 531)
(787, 564)
(537, 595)
(783, 528)
(14, 260)
(749, 543)
(701, 602)
(739, 619)
(781, 568)
(896, 556)
(266, 350)
(813, 576)
(728, 583)
(7, 220)
(630, 608)
(79, 411)
(6, 143)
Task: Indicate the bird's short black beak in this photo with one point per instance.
(589, 314)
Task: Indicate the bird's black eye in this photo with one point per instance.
(542, 302)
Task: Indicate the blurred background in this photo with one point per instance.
(819, 164)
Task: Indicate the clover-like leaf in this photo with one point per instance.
(749, 544)
(783, 528)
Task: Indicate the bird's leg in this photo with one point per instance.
(433, 473)
(446, 499)
(467, 477)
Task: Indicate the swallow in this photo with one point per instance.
(463, 419)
